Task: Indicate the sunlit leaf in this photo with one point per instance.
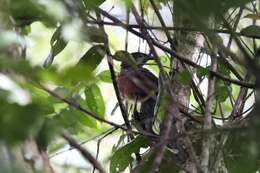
(105, 76)
(94, 100)
(25, 30)
(86, 120)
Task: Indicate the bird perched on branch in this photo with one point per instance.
(139, 84)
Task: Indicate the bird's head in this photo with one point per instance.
(140, 59)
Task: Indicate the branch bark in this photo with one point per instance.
(205, 155)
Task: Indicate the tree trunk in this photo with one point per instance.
(186, 46)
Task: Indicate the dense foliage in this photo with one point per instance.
(214, 43)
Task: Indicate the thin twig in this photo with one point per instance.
(87, 155)
(179, 57)
(99, 142)
(75, 105)
(168, 35)
(78, 107)
(82, 143)
(174, 28)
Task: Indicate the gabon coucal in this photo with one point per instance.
(139, 84)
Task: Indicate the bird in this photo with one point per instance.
(140, 85)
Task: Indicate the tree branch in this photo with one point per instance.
(171, 52)
(87, 155)
(78, 107)
(205, 154)
(175, 28)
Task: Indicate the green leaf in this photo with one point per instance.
(128, 3)
(76, 74)
(252, 30)
(26, 12)
(105, 76)
(241, 152)
(125, 57)
(94, 100)
(75, 120)
(48, 131)
(202, 72)
(57, 45)
(62, 91)
(221, 91)
(93, 57)
(90, 4)
(222, 68)
(167, 166)
(198, 10)
(94, 34)
(19, 122)
(25, 30)
(184, 77)
(86, 120)
(122, 157)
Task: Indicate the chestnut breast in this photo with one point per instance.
(138, 84)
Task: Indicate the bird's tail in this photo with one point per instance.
(147, 114)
